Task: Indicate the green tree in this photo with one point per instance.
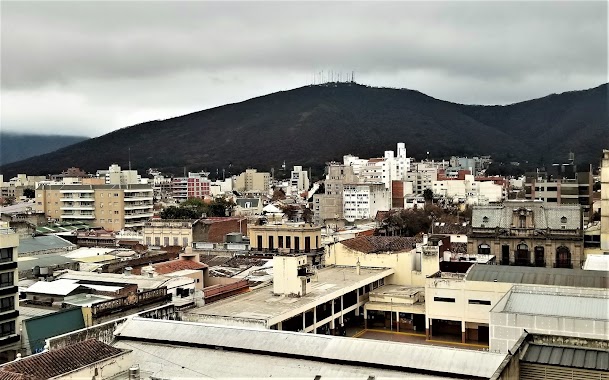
(428, 195)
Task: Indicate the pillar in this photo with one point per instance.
(332, 324)
(304, 321)
(314, 320)
(342, 310)
(357, 302)
(397, 318)
(365, 318)
(279, 326)
(463, 332)
(428, 328)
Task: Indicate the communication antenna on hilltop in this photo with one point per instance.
(352, 76)
(129, 158)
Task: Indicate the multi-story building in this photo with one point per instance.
(196, 185)
(605, 200)
(299, 179)
(15, 186)
(468, 190)
(422, 177)
(529, 233)
(251, 180)
(561, 184)
(115, 176)
(112, 207)
(362, 201)
(9, 333)
(329, 205)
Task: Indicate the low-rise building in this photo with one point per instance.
(286, 237)
(528, 233)
(9, 333)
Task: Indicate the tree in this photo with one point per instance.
(220, 207)
(29, 193)
(307, 215)
(174, 212)
(278, 195)
(7, 201)
(428, 195)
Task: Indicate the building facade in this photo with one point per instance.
(605, 200)
(289, 237)
(252, 180)
(361, 201)
(113, 207)
(9, 294)
(299, 179)
(529, 233)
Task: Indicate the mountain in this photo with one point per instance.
(314, 124)
(16, 146)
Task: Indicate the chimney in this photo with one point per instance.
(358, 267)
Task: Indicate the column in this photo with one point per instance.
(365, 318)
(314, 320)
(332, 324)
(427, 328)
(304, 321)
(342, 310)
(279, 326)
(357, 302)
(463, 332)
(397, 318)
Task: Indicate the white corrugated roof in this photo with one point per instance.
(60, 287)
(175, 362)
(597, 262)
(364, 352)
(582, 303)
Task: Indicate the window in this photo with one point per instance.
(175, 241)
(443, 299)
(485, 219)
(523, 221)
(6, 254)
(116, 212)
(484, 249)
(185, 242)
(7, 279)
(157, 241)
(563, 220)
(148, 240)
(479, 302)
(166, 241)
(7, 303)
(7, 328)
(116, 194)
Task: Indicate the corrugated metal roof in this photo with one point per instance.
(559, 304)
(539, 276)
(576, 357)
(173, 362)
(42, 243)
(361, 351)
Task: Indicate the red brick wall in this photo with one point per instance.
(397, 194)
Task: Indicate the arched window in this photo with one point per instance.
(523, 221)
(484, 249)
(563, 220)
(485, 219)
(563, 257)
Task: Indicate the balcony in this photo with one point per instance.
(78, 207)
(139, 215)
(139, 198)
(141, 206)
(77, 216)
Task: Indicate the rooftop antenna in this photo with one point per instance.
(129, 158)
(184, 171)
(353, 76)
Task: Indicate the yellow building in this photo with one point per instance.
(113, 207)
(251, 180)
(288, 237)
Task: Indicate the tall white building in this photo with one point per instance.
(299, 179)
(468, 190)
(363, 200)
(116, 176)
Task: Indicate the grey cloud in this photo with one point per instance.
(120, 58)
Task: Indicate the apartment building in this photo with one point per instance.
(299, 179)
(329, 205)
(361, 201)
(422, 177)
(15, 186)
(289, 237)
(196, 185)
(9, 333)
(468, 190)
(116, 176)
(113, 207)
(251, 180)
(605, 200)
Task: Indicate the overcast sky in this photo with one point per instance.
(87, 68)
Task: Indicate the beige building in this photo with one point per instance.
(15, 186)
(605, 201)
(329, 205)
(9, 333)
(529, 233)
(460, 304)
(288, 237)
(163, 233)
(113, 207)
(251, 180)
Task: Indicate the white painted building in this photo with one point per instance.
(115, 176)
(364, 200)
(299, 179)
(468, 190)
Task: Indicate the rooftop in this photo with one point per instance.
(573, 357)
(379, 244)
(26, 263)
(42, 243)
(597, 262)
(263, 305)
(177, 265)
(538, 276)
(142, 282)
(556, 301)
(544, 216)
(361, 353)
(58, 362)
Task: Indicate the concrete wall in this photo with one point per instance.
(605, 201)
(102, 369)
(404, 263)
(224, 321)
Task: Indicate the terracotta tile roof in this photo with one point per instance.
(376, 244)
(177, 265)
(451, 229)
(54, 363)
(382, 215)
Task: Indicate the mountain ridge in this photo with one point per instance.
(311, 125)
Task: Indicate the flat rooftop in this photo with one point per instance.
(263, 305)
